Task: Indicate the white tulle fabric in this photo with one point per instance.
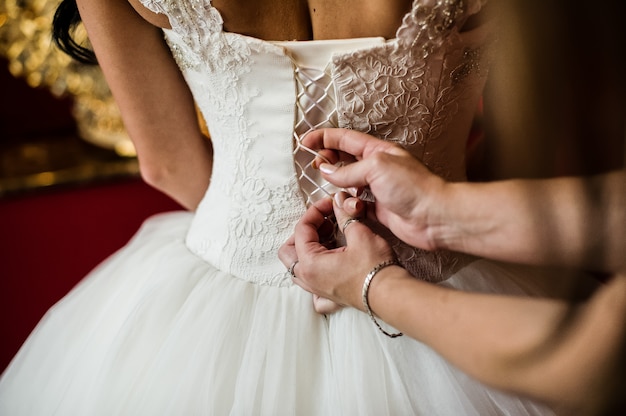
(197, 316)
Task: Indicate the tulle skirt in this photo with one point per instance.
(154, 330)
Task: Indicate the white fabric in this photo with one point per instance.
(155, 330)
(197, 316)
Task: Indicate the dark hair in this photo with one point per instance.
(66, 18)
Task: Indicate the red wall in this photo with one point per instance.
(49, 240)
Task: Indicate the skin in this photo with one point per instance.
(156, 105)
(427, 212)
(173, 154)
(532, 346)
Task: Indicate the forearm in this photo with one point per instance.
(485, 335)
(523, 345)
(565, 221)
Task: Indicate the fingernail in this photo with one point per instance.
(353, 191)
(354, 204)
(339, 198)
(327, 168)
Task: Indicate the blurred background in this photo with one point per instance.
(70, 192)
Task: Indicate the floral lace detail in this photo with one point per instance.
(182, 55)
(259, 218)
(245, 217)
(380, 97)
(183, 16)
(432, 67)
(252, 223)
(393, 92)
(405, 90)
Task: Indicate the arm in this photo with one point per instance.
(561, 353)
(572, 221)
(566, 355)
(156, 106)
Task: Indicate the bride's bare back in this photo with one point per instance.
(302, 19)
(156, 104)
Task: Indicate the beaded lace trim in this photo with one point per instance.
(407, 90)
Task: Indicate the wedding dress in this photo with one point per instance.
(197, 315)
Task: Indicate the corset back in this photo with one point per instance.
(419, 90)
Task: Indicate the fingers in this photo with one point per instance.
(325, 306)
(348, 212)
(354, 207)
(335, 274)
(353, 175)
(326, 156)
(302, 283)
(287, 252)
(307, 231)
(345, 140)
(343, 145)
(308, 235)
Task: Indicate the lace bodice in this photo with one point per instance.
(419, 89)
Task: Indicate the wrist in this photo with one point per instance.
(444, 216)
(383, 289)
(468, 215)
(365, 296)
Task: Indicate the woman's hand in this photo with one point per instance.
(409, 198)
(335, 274)
(289, 257)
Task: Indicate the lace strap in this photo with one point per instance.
(427, 25)
(188, 16)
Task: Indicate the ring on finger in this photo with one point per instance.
(348, 222)
(291, 272)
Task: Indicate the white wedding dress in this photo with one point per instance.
(196, 315)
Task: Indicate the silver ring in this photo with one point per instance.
(348, 222)
(293, 265)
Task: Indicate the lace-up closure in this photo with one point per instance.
(259, 98)
(316, 109)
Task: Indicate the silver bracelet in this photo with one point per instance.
(366, 288)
